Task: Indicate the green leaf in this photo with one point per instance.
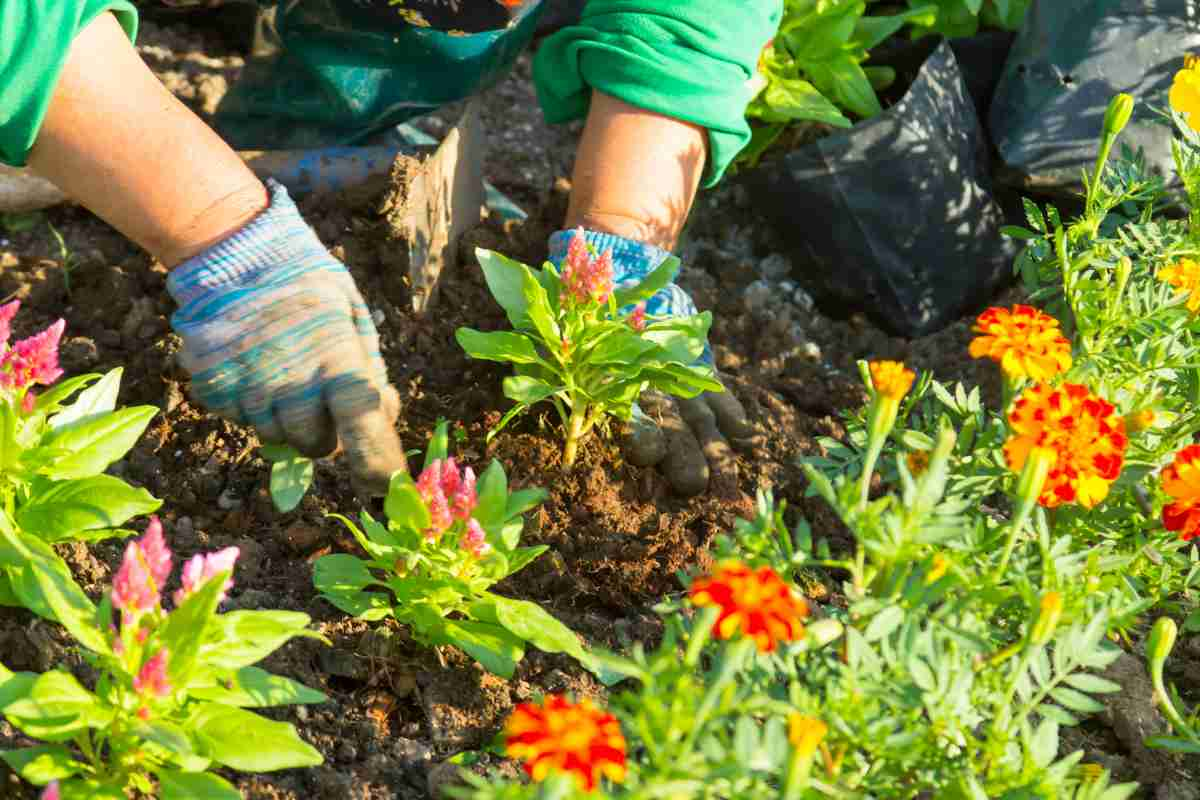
(93, 402)
(70, 507)
(1057, 714)
(884, 623)
(290, 480)
(57, 708)
(242, 638)
(1094, 684)
(524, 389)
(439, 443)
(533, 624)
(505, 279)
(1076, 701)
(793, 99)
(504, 346)
(541, 315)
(46, 587)
(194, 786)
(168, 736)
(51, 399)
(10, 451)
(180, 634)
(497, 650)
(624, 347)
(251, 687)
(90, 447)
(847, 84)
(524, 500)
(1044, 746)
(42, 763)
(245, 741)
(342, 572)
(492, 493)
(403, 504)
(681, 338)
(523, 556)
(662, 275)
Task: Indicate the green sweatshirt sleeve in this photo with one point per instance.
(688, 60)
(34, 40)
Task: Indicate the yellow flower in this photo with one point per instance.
(806, 733)
(1184, 275)
(560, 736)
(1140, 420)
(1047, 621)
(1025, 342)
(1080, 432)
(940, 566)
(1185, 91)
(891, 379)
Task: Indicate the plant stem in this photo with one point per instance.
(873, 451)
(575, 431)
(1018, 522)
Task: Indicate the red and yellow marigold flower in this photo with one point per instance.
(1081, 433)
(1185, 91)
(1025, 342)
(755, 603)
(1181, 480)
(579, 739)
(1184, 275)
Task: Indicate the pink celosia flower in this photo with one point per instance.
(474, 541)
(7, 312)
(28, 402)
(143, 571)
(585, 279)
(465, 498)
(51, 791)
(152, 679)
(33, 360)
(637, 319)
(200, 569)
(450, 478)
(440, 517)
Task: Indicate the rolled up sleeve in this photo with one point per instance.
(35, 37)
(692, 61)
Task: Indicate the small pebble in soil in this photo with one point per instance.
(347, 752)
(228, 499)
(411, 752)
(303, 537)
(184, 528)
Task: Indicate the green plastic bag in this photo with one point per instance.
(338, 80)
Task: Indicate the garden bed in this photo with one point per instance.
(617, 535)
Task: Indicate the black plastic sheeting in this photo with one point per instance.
(1069, 60)
(895, 216)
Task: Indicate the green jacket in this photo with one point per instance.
(687, 60)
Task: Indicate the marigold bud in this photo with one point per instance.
(1047, 621)
(806, 733)
(1161, 640)
(1120, 109)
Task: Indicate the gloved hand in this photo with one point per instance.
(688, 438)
(276, 335)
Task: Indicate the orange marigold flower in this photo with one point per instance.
(806, 733)
(758, 603)
(891, 378)
(918, 462)
(1025, 342)
(1181, 480)
(1083, 431)
(1184, 275)
(560, 736)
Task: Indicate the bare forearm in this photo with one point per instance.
(636, 172)
(118, 142)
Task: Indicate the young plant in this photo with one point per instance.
(173, 689)
(54, 451)
(447, 540)
(584, 344)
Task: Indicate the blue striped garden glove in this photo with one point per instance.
(276, 335)
(687, 438)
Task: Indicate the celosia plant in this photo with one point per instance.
(54, 449)
(448, 538)
(585, 345)
(173, 691)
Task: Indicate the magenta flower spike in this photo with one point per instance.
(475, 540)
(440, 517)
(200, 569)
(152, 679)
(637, 319)
(134, 591)
(430, 480)
(33, 360)
(601, 277)
(157, 554)
(51, 791)
(7, 312)
(465, 499)
(450, 478)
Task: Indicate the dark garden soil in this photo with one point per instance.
(617, 534)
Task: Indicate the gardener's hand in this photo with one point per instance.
(276, 335)
(689, 439)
